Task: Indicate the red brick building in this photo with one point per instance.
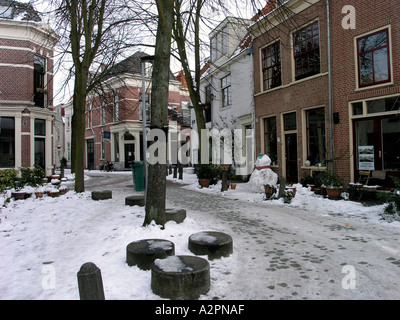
(26, 88)
(114, 127)
(314, 118)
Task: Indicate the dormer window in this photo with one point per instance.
(219, 44)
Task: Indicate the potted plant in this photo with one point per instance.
(333, 184)
(205, 173)
(269, 191)
(63, 190)
(39, 191)
(287, 196)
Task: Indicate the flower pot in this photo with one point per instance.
(39, 194)
(19, 195)
(63, 191)
(233, 186)
(334, 193)
(312, 187)
(269, 191)
(292, 189)
(205, 183)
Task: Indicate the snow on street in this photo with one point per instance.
(313, 248)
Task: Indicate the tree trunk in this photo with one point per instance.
(156, 183)
(79, 103)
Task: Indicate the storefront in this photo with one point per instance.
(376, 136)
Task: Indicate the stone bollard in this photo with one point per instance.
(90, 283)
(102, 195)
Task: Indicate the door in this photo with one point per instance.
(90, 154)
(291, 158)
(129, 154)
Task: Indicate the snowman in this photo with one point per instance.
(262, 174)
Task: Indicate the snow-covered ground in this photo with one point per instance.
(44, 242)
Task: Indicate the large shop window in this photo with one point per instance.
(316, 142)
(306, 51)
(270, 139)
(271, 66)
(7, 142)
(374, 59)
(380, 137)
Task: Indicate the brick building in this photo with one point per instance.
(114, 127)
(26, 88)
(313, 118)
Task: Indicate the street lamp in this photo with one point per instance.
(144, 120)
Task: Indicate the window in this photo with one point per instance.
(116, 147)
(90, 111)
(316, 146)
(103, 112)
(207, 105)
(226, 91)
(373, 59)
(383, 105)
(40, 141)
(219, 44)
(116, 108)
(270, 139)
(40, 127)
(38, 80)
(7, 142)
(148, 114)
(271, 66)
(306, 51)
(289, 120)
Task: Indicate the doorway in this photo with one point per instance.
(129, 154)
(90, 154)
(291, 158)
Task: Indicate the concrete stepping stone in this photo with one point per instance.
(143, 253)
(211, 243)
(177, 215)
(180, 277)
(136, 200)
(102, 195)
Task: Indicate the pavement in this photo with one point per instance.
(288, 253)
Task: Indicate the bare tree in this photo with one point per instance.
(94, 33)
(156, 190)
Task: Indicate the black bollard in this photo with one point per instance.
(90, 283)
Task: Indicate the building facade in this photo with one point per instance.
(327, 87)
(227, 87)
(26, 88)
(114, 126)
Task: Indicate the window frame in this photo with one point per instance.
(307, 52)
(265, 67)
(226, 91)
(359, 53)
(307, 135)
(269, 133)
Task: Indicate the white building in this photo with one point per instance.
(227, 86)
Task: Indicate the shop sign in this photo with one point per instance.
(366, 159)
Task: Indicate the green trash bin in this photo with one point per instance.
(138, 175)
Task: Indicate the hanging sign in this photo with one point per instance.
(107, 136)
(366, 159)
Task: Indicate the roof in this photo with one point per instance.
(131, 65)
(13, 10)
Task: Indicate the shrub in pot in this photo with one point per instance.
(333, 184)
(205, 173)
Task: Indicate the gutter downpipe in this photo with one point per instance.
(331, 153)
